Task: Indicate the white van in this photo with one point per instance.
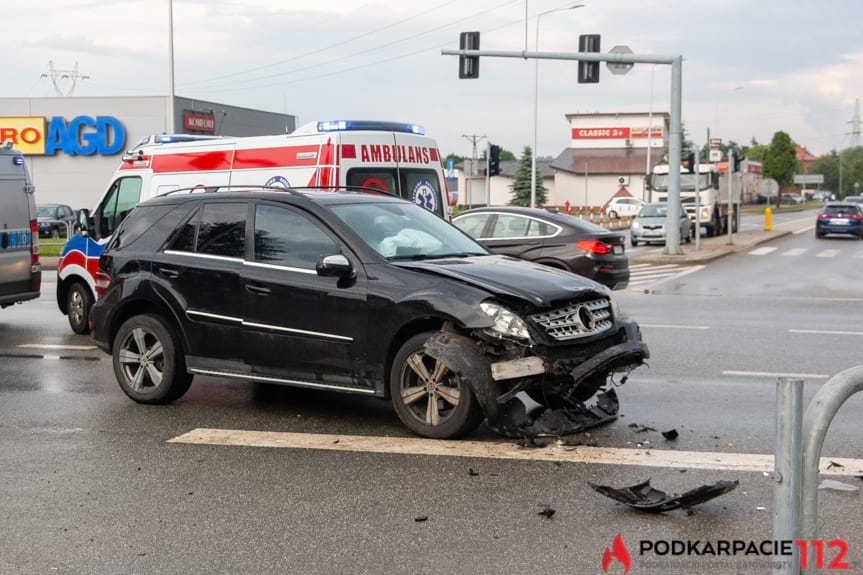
(20, 270)
(392, 157)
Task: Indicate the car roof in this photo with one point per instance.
(328, 196)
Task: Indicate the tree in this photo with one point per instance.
(780, 160)
(520, 186)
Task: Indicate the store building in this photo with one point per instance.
(609, 155)
(73, 145)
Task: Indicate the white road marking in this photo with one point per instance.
(655, 274)
(825, 332)
(762, 251)
(794, 252)
(804, 230)
(497, 450)
(777, 375)
(826, 254)
(56, 346)
(670, 326)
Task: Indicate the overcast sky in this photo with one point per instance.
(751, 67)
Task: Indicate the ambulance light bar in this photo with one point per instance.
(352, 125)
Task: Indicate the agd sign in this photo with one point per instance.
(80, 136)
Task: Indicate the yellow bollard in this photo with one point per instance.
(767, 216)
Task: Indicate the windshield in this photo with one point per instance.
(406, 230)
(44, 211)
(687, 181)
(653, 211)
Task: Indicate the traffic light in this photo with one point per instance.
(468, 66)
(690, 162)
(588, 72)
(493, 160)
(737, 159)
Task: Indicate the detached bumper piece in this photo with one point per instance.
(645, 498)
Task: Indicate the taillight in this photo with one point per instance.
(34, 243)
(857, 217)
(822, 216)
(103, 282)
(594, 246)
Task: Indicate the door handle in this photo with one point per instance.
(257, 290)
(169, 272)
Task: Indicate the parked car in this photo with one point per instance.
(840, 218)
(649, 225)
(552, 239)
(822, 196)
(854, 200)
(55, 220)
(358, 293)
(791, 198)
(623, 207)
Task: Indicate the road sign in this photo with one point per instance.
(768, 188)
(715, 143)
(715, 155)
(617, 67)
(808, 179)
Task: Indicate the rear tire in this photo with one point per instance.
(79, 300)
(149, 362)
(612, 214)
(430, 398)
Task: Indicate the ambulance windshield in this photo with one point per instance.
(420, 186)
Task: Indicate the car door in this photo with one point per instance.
(201, 269)
(300, 327)
(514, 235)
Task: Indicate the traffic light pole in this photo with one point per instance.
(672, 243)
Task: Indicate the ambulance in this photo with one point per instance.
(391, 157)
(20, 269)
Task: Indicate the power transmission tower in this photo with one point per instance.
(59, 75)
(855, 124)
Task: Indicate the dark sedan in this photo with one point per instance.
(839, 218)
(55, 220)
(553, 239)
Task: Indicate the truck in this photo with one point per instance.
(706, 195)
(390, 157)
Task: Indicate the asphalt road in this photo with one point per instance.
(94, 483)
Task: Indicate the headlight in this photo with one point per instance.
(506, 323)
(635, 225)
(705, 215)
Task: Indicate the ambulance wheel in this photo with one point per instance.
(78, 303)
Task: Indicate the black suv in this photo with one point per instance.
(358, 293)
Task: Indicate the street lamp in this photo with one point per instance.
(536, 100)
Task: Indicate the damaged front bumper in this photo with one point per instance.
(569, 387)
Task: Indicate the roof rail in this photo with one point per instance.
(202, 189)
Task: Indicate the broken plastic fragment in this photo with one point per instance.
(546, 511)
(645, 498)
(837, 485)
(670, 435)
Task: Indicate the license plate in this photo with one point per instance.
(517, 368)
(839, 221)
(617, 250)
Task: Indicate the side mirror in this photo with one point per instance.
(335, 266)
(84, 222)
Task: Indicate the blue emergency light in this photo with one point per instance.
(18, 160)
(353, 125)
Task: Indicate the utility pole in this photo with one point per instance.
(474, 139)
(58, 75)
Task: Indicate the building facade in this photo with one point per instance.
(73, 145)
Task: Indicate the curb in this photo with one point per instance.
(712, 248)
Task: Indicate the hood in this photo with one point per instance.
(507, 276)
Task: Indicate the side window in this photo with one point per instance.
(122, 197)
(288, 238)
(472, 224)
(222, 229)
(508, 226)
(185, 240)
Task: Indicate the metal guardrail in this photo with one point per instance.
(799, 440)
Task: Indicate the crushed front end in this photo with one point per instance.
(546, 372)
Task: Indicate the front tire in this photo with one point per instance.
(79, 300)
(430, 398)
(148, 361)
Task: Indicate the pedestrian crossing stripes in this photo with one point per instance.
(641, 275)
(818, 253)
